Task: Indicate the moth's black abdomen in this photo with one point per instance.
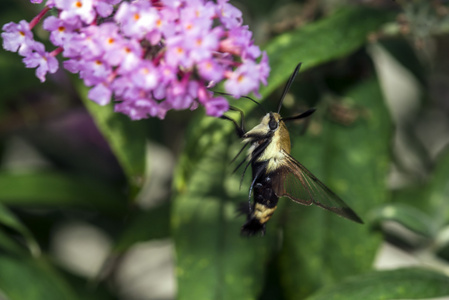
(253, 227)
(264, 205)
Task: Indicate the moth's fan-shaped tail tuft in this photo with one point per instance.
(253, 227)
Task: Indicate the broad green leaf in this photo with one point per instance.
(59, 189)
(409, 283)
(27, 278)
(430, 198)
(333, 37)
(438, 191)
(9, 220)
(413, 196)
(126, 138)
(406, 215)
(320, 247)
(213, 261)
(201, 136)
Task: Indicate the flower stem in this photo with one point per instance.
(56, 51)
(37, 18)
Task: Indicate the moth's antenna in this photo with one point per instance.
(287, 86)
(300, 116)
(240, 129)
(258, 104)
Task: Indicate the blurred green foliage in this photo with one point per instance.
(94, 166)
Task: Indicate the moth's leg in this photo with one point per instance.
(256, 176)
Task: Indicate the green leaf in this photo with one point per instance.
(406, 215)
(333, 37)
(26, 278)
(126, 138)
(438, 191)
(320, 247)
(410, 283)
(430, 198)
(413, 196)
(59, 189)
(213, 261)
(9, 220)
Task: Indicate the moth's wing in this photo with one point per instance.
(294, 181)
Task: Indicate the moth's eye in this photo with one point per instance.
(273, 124)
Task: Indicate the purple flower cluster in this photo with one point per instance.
(150, 56)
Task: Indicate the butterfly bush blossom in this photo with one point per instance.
(150, 56)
